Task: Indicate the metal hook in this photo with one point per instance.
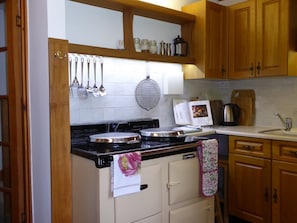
(60, 55)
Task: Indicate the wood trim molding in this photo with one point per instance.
(61, 190)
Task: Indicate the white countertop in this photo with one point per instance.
(247, 131)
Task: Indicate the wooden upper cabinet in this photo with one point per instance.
(241, 40)
(262, 40)
(209, 40)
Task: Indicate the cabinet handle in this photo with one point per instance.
(143, 186)
(294, 153)
(258, 68)
(252, 69)
(266, 194)
(170, 184)
(248, 147)
(223, 70)
(275, 195)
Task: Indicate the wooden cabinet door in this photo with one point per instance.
(209, 40)
(249, 188)
(284, 195)
(272, 37)
(242, 40)
(216, 47)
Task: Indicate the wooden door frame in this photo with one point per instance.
(61, 187)
(18, 111)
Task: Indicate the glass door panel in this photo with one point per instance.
(5, 207)
(5, 163)
(3, 71)
(2, 24)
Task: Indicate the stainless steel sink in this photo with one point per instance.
(280, 132)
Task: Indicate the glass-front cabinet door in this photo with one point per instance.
(12, 186)
(5, 187)
(5, 190)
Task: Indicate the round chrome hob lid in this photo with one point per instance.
(162, 132)
(116, 137)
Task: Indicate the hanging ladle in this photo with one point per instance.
(88, 87)
(95, 88)
(102, 91)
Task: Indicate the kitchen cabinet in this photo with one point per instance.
(284, 182)
(262, 184)
(262, 39)
(129, 9)
(249, 178)
(209, 40)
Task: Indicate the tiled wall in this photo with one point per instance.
(122, 76)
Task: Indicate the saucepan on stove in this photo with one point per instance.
(116, 138)
(168, 133)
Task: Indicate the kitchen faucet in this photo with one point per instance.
(287, 122)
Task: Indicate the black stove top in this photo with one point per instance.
(102, 153)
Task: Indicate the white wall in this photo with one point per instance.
(38, 81)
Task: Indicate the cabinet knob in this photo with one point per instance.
(275, 195)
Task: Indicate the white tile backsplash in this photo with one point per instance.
(121, 76)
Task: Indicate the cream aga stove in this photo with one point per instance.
(169, 190)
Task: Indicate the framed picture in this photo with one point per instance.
(200, 113)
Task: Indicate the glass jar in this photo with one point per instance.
(137, 45)
(144, 46)
(153, 47)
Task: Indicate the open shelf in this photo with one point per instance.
(129, 9)
(83, 49)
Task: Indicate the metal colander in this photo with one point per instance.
(147, 93)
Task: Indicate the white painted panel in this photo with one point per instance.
(95, 26)
(145, 28)
(173, 83)
(56, 18)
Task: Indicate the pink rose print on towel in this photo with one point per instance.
(129, 163)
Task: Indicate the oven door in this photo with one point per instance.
(183, 177)
(146, 204)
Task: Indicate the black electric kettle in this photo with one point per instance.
(231, 114)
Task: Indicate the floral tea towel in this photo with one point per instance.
(125, 173)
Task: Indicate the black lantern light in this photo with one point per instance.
(180, 47)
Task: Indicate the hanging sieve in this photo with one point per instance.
(147, 93)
